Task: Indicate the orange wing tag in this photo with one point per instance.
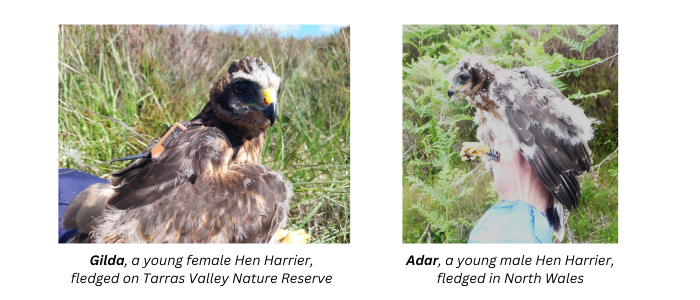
(169, 136)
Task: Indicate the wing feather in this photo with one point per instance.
(560, 152)
(189, 194)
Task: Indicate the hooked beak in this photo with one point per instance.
(450, 93)
(270, 101)
(271, 113)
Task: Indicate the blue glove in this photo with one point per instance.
(69, 185)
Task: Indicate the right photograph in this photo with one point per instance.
(510, 134)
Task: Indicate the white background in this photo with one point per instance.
(658, 211)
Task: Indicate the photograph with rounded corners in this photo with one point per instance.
(204, 134)
(510, 134)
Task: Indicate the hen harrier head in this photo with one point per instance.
(472, 74)
(246, 96)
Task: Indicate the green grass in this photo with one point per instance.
(122, 86)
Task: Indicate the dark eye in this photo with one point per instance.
(464, 77)
(240, 87)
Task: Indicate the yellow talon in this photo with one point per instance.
(296, 237)
(471, 150)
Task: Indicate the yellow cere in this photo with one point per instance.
(270, 97)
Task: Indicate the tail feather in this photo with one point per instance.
(555, 215)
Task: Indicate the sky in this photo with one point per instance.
(298, 31)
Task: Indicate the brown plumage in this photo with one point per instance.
(207, 186)
(521, 106)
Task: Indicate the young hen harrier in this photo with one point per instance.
(522, 107)
(207, 185)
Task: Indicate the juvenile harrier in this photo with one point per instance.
(207, 185)
(522, 107)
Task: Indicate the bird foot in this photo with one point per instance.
(292, 237)
(472, 150)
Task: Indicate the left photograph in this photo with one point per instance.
(204, 134)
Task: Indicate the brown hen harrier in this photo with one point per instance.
(207, 185)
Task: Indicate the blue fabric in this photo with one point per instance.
(512, 222)
(69, 185)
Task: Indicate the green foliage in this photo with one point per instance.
(440, 204)
(590, 33)
(122, 86)
(596, 219)
(579, 96)
(434, 126)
